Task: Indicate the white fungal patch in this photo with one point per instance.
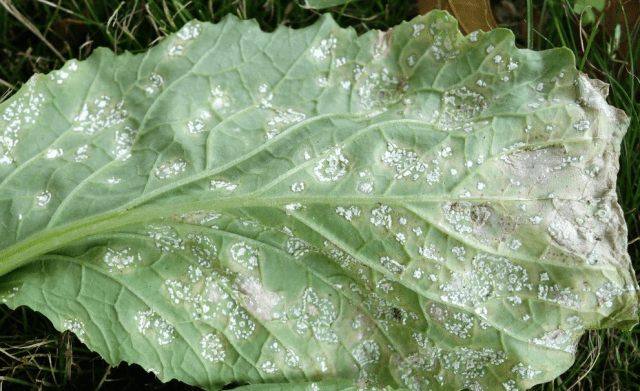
(365, 187)
(515, 244)
(121, 259)
(81, 153)
(525, 372)
(269, 367)
(257, 299)
(222, 185)
(219, 99)
(6, 296)
(556, 339)
(99, 117)
(381, 216)
(417, 29)
(473, 37)
(212, 348)
(175, 50)
(391, 265)
(349, 212)
(404, 161)
(18, 114)
(124, 139)
(43, 198)
(155, 82)
(59, 76)
(481, 186)
(54, 153)
(582, 126)
(189, 31)
(315, 314)
(113, 180)
(460, 325)
(168, 170)
(490, 48)
(340, 61)
(155, 327)
(607, 293)
(323, 50)
(297, 187)
(333, 167)
(244, 254)
(76, 326)
(411, 60)
(366, 353)
(291, 359)
(345, 84)
(322, 82)
(512, 65)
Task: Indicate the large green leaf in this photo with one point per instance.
(308, 208)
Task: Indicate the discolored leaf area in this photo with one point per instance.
(308, 209)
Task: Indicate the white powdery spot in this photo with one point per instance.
(244, 254)
(124, 139)
(189, 31)
(212, 348)
(525, 372)
(297, 187)
(54, 153)
(322, 82)
(404, 161)
(417, 28)
(367, 352)
(43, 198)
(113, 180)
(98, 117)
(392, 265)
(411, 60)
(340, 61)
(155, 82)
(381, 217)
(582, 126)
(169, 170)
(222, 185)
(515, 244)
(175, 50)
(152, 324)
(473, 37)
(333, 167)
(76, 326)
(323, 50)
(317, 314)
(512, 65)
(348, 213)
(365, 187)
(269, 367)
(121, 259)
(555, 339)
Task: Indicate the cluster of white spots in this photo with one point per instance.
(240, 323)
(515, 244)
(203, 250)
(54, 153)
(169, 170)
(291, 359)
(461, 104)
(411, 60)
(340, 61)
(418, 273)
(81, 153)
(460, 325)
(298, 247)
(219, 98)
(322, 82)
(99, 117)
(535, 219)
(430, 252)
(404, 161)
(43, 198)
(323, 50)
(556, 339)
(472, 364)
(156, 327)
(582, 126)
(417, 29)
(10, 294)
(391, 265)
(113, 180)
(155, 82)
(333, 167)
(365, 187)
(345, 84)
(512, 65)
(481, 185)
(497, 59)
(525, 372)
(317, 314)
(166, 238)
(297, 187)
(444, 39)
(490, 48)
(481, 83)
(366, 353)
(212, 348)
(607, 293)
(20, 112)
(124, 139)
(381, 216)
(294, 206)
(490, 277)
(121, 259)
(198, 125)
(377, 88)
(269, 367)
(257, 299)
(460, 252)
(473, 37)
(400, 237)
(76, 326)
(189, 31)
(349, 212)
(175, 50)
(222, 185)
(244, 254)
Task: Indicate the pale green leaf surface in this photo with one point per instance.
(319, 4)
(310, 209)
